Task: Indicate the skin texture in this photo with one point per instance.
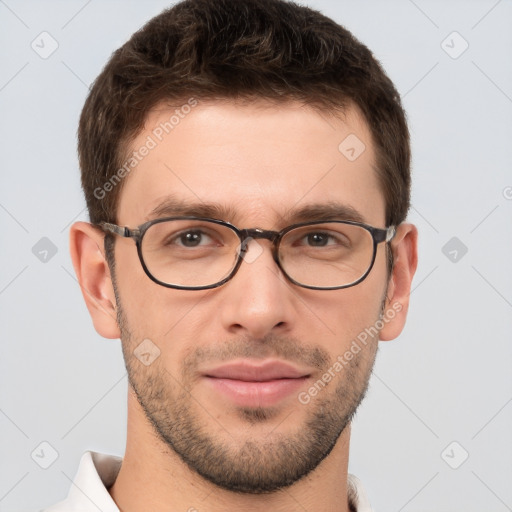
(189, 446)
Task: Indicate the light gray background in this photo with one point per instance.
(447, 378)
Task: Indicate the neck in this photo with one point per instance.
(153, 477)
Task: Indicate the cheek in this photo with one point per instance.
(142, 299)
(175, 320)
(345, 314)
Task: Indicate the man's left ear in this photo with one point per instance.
(405, 256)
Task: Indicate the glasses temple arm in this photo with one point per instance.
(390, 233)
(113, 228)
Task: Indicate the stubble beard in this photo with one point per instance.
(257, 464)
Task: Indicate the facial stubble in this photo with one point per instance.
(255, 465)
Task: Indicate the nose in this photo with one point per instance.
(258, 300)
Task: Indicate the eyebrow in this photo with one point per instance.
(170, 206)
(324, 211)
(173, 207)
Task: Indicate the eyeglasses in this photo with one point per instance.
(191, 253)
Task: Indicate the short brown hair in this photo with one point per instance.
(238, 49)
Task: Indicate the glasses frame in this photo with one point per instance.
(245, 236)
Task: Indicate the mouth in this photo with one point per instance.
(250, 385)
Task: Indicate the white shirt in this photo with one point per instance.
(98, 472)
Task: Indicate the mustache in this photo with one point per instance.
(272, 346)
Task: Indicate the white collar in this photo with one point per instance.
(97, 472)
(88, 493)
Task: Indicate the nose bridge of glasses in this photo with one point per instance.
(256, 233)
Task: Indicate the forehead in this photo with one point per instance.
(255, 162)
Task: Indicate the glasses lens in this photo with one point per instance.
(190, 253)
(326, 255)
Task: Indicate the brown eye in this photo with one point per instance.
(191, 238)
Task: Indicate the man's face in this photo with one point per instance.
(259, 165)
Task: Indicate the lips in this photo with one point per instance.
(256, 385)
(250, 372)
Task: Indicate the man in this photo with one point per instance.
(246, 169)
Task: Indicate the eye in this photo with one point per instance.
(318, 239)
(191, 238)
(323, 239)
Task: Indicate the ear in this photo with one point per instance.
(405, 256)
(91, 268)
